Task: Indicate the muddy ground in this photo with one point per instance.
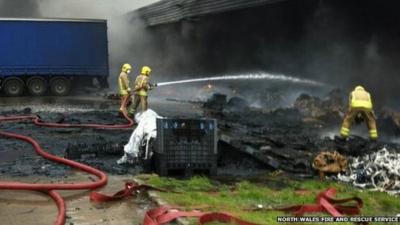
(19, 162)
(252, 142)
(33, 208)
(18, 158)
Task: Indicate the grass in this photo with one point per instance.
(240, 197)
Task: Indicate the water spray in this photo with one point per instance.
(253, 76)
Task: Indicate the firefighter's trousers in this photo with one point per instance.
(136, 101)
(368, 116)
(124, 102)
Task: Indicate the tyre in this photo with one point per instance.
(37, 86)
(59, 86)
(13, 86)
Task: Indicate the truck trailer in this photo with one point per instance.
(50, 56)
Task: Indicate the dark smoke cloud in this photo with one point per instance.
(123, 34)
(19, 8)
(340, 42)
(353, 42)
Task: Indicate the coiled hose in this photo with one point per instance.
(50, 188)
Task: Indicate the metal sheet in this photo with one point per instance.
(169, 11)
(53, 47)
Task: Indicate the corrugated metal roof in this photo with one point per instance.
(169, 11)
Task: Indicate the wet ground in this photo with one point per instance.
(21, 207)
(19, 162)
(253, 142)
(18, 158)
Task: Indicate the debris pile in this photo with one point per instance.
(285, 139)
(309, 105)
(277, 138)
(98, 148)
(379, 171)
(217, 101)
(329, 162)
(288, 139)
(329, 109)
(389, 121)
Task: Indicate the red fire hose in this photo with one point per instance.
(36, 120)
(50, 188)
(325, 201)
(166, 214)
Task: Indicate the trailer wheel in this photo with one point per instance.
(37, 86)
(13, 86)
(59, 86)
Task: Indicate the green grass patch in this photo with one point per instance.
(240, 197)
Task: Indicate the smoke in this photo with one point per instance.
(19, 8)
(123, 33)
(341, 42)
(355, 43)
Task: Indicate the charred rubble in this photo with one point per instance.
(251, 140)
(288, 139)
(379, 171)
(98, 148)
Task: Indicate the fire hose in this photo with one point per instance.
(325, 201)
(130, 188)
(166, 214)
(50, 188)
(36, 120)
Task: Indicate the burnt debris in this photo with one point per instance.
(288, 139)
(251, 140)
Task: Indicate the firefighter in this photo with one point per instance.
(124, 89)
(360, 108)
(142, 86)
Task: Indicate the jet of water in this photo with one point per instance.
(254, 76)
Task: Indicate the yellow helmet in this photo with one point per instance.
(146, 70)
(359, 88)
(126, 67)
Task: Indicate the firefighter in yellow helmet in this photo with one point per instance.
(142, 86)
(360, 106)
(124, 89)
